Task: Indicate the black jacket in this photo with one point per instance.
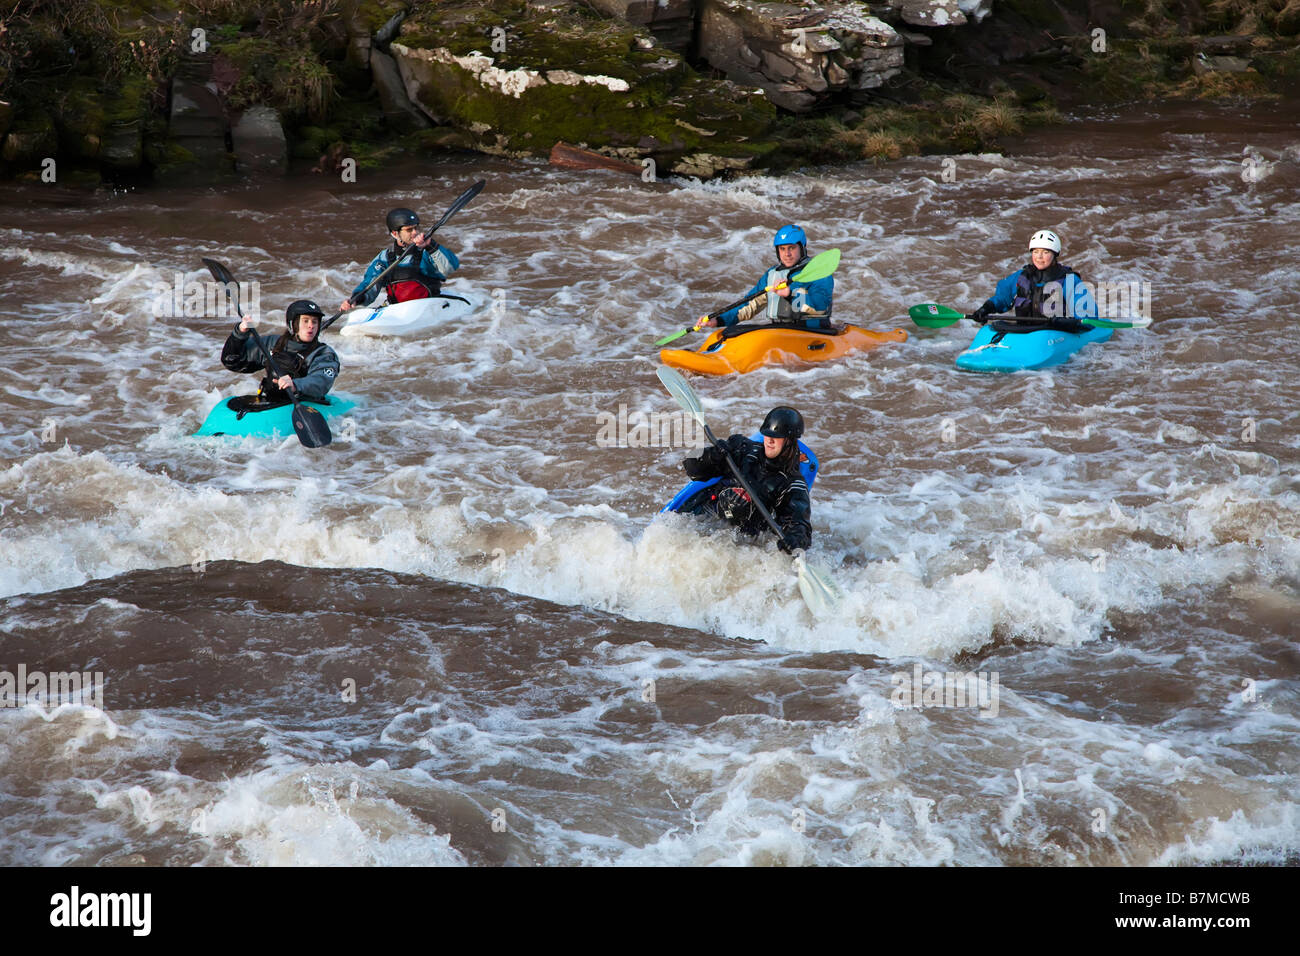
(313, 366)
(785, 494)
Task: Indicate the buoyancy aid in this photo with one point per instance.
(779, 306)
(295, 364)
(1034, 287)
(407, 281)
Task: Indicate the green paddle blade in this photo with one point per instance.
(1115, 324)
(681, 390)
(819, 266)
(674, 336)
(928, 315)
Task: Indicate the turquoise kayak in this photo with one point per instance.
(244, 415)
(998, 348)
(807, 467)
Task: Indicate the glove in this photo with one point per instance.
(694, 468)
(981, 315)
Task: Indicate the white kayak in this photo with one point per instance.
(413, 315)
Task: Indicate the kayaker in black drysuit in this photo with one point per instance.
(1043, 289)
(772, 469)
(306, 364)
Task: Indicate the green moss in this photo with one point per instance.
(1279, 64)
(1131, 69)
(168, 158)
(375, 13)
(283, 72)
(536, 39)
(79, 117)
(128, 103)
(668, 110)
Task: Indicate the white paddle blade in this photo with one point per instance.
(819, 591)
(681, 390)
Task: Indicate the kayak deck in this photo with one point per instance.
(739, 349)
(241, 415)
(992, 351)
(413, 315)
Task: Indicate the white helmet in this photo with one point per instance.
(1045, 239)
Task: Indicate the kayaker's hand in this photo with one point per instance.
(420, 241)
(245, 323)
(346, 305)
(694, 468)
(783, 291)
(704, 322)
(284, 383)
(981, 315)
(784, 545)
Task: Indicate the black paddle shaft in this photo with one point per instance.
(222, 275)
(735, 470)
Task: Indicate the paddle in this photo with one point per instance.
(818, 267)
(931, 316)
(308, 423)
(461, 202)
(818, 590)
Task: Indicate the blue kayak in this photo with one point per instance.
(807, 467)
(243, 415)
(1005, 350)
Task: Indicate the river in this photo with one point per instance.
(460, 634)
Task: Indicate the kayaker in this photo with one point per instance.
(426, 267)
(1042, 289)
(803, 304)
(771, 468)
(307, 364)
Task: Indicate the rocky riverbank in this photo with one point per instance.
(218, 90)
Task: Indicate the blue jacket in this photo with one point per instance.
(809, 302)
(437, 262)
(1074, 297)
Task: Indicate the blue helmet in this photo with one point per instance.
(790, 236)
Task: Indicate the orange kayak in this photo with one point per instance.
(726, 350)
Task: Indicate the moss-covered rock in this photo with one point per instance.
(80, 120)
(30, 139)
(518, 80)
(124, 118)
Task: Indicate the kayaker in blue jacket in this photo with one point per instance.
(306, 364)
(421, 275)
(771, 468)
(1043, 289)
(803, 304)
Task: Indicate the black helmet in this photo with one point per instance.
(398, 218)
(782, 422)
(300, 307)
